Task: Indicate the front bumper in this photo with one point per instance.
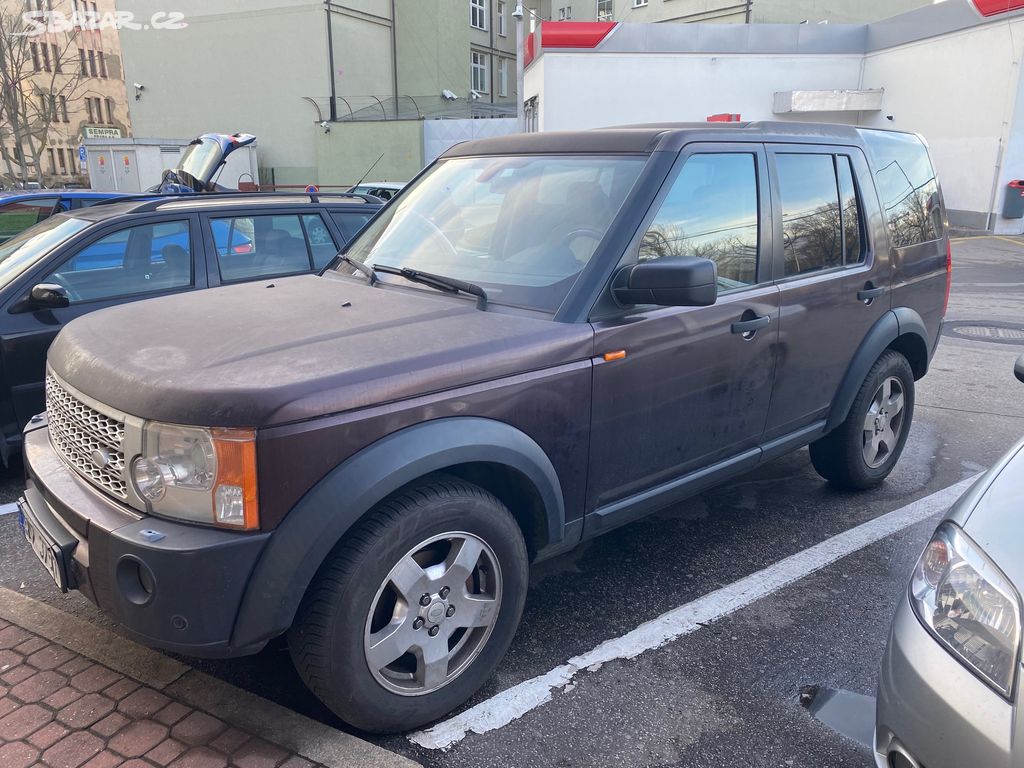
(933, 710)
(171, 585)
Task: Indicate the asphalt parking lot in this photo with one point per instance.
(725, 692)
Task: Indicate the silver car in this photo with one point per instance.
(947, 696)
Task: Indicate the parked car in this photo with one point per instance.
(21, 210)
(545, 337)
(90, 258)
(949, 688)
(385, 190)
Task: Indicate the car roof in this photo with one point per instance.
(219, 202)
(653, 137)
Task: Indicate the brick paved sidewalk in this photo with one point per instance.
(61, 710)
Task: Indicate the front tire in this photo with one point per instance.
(864, 449)
(413, 611)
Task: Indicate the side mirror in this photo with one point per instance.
(49, 296)
(672, 281)
(1018, 369)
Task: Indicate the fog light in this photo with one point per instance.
(230, 505)
(135, 580)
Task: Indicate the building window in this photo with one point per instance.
(92, 63)
(503, 77)
(35, 57)
(478, 66)
(478, 14)
(46, 57)
(605, 10)
(60, 159)
(42, 107)
(502, 29)
(82, 61)
(64, 109)
(639, 3)
(110, 111)
(103, 63)
(53, 161)
(56, 58)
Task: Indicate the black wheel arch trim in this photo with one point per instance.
(897, 322)
(309, 532)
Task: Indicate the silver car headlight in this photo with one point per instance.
(969, 606)
(200, 475)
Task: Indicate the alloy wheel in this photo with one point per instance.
(883, 423)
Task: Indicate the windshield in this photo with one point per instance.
(200, 160)
(522, 228)
(25, 249)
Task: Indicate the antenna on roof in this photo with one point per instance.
(363, 178)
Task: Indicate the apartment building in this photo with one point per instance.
(726, 11)
(71, 86)
(327, 87)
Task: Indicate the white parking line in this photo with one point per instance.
(513, 703)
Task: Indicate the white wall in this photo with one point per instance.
(594, 90)
(958, 91)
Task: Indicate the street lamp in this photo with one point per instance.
(517, 14)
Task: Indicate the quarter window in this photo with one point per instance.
(711, 213)
(907, 187)
(853, 240)
(143, 259)
(811, 221)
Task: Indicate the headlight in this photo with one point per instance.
(202, 475)
(970, 607)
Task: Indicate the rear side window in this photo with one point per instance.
(711, 213)
(18, 216)
(250, 247)
(821, 219)
(907, 187)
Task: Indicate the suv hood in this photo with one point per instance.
(290, 349)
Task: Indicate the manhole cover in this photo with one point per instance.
(1003, 333)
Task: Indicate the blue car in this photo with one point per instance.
(23, 209)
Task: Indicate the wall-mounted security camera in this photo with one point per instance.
(139, 88)
(890, 118)
(449, 95)
(474, 95)
(326, 126)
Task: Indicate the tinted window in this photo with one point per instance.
(18, 216)
(521, 227)
(142, 259)
(711, 213)
(249, 247)
(907, 187)
(853, 226)
(350, 223)
(321, 242)
(811, 222)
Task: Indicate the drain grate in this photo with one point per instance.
(1003, 333)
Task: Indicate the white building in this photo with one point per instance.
(947, 71)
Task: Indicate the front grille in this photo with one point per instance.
(91, 442)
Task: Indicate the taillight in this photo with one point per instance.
(949, 275)
(243, 248)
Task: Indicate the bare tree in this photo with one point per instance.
(40, 78)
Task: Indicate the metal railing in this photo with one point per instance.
(349, 109)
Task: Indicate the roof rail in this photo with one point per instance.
(154, 200)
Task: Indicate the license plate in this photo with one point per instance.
(47, 550)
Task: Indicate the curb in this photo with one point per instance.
(247, 711)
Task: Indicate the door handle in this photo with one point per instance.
(749, 327)
(869, 294)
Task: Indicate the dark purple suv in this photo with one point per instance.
(543, 337)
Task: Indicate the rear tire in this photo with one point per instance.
(434, 557)
(862, 451)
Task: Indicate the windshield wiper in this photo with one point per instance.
(442, 283)
(358, 266)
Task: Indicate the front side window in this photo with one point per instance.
(144, 259)
(478, 14)
(907, 187)
(711, 213)
(522, 228)
(250, 247)
(478, 66)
